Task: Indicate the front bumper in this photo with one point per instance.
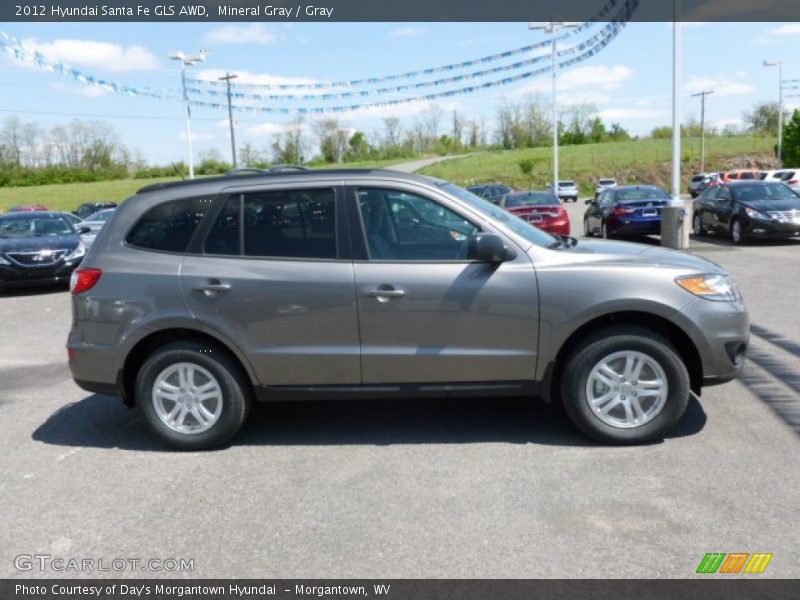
(721, 333)
(17, 276)
(776, 229)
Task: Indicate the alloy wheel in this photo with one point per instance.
(187, 398)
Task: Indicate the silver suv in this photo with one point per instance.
(200, 297)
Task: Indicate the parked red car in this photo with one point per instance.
(542, 209)
(27, 208)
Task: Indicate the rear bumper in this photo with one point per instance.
(637, 226)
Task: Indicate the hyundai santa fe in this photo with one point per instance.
(199, 298)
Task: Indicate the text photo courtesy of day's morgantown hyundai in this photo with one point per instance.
(413, 300)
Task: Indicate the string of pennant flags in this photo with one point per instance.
(318, 110)
(372, 81)
(597, 37)
(199, 88)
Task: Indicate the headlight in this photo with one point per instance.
(3, 261)
(756, 214)
(711, 287)
(77, 253)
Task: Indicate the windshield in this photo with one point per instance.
(34, 226)
(102, 216)
(645, 193)
(515, 224)
(530, 199)
(770, 191)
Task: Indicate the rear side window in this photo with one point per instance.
(290, 224)
(168, 227)
(225, 234)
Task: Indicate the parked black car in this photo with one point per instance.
(38, 248)
(89, 208)
(493, 192)
(746, 209)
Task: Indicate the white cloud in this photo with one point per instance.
(85, 91)
(722, 86)
(255, 78)
(265, 129)
(99, 55)
(197, 136)
(598, 77)
(622, 114)
(405, 32)
(584, 98)
(253, 33)
(787, 29)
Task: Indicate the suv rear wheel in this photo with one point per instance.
(626, 385)
(192, 395)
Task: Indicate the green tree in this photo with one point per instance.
(791, 140)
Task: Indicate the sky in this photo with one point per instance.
(629, 81)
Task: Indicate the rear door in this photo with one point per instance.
(427, 314)
(273, 272)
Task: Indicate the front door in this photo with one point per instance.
(426, 312)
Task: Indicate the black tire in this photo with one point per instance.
(697, 225)
(236, 393)
(738, 237)
(604, 343)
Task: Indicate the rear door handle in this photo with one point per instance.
(212, 287)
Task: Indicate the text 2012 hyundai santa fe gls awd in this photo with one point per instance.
(200, 297)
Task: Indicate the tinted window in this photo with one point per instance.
(724, 194)
(225, 233)
(640, 194)
(755, 193)
(747, 175)
(290, 224)
(530, 200)
(168, 227)
(403, 226)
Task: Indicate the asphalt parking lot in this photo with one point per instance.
(416, 489)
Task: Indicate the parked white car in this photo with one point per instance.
(567, 190)
(604, 184)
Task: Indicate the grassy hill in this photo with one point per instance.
(641, 161)
(68, 196)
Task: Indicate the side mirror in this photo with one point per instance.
(84, 230)
(487, 247)
(589, 201)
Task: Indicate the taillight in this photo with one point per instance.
(793, 182)
(621, 211)
(83, 280)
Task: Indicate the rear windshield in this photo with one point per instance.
(566, 184)
(607, 181)
(530, 199)
(640, 194)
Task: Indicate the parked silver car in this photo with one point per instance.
(200, 297)
(91, 225)
(604, 184)
(567, 190)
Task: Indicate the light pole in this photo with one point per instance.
(227, 80)
(702, 96)
(552, 28)
(779, 64)
(188, 61)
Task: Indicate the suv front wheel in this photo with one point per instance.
(626, 385)
(192, 395)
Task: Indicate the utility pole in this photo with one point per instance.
(227, 80)
(779, 64)
(188, 61)
(702, 96)
(552, 28)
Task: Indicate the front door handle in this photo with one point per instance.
(212, 287)
(385, 293)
